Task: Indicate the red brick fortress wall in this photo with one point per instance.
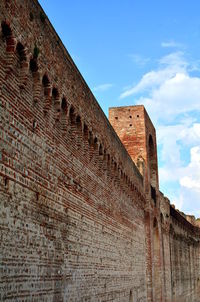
(136, 131)
(185, 258)
(81, 215)
(172, 243)
(72, 201)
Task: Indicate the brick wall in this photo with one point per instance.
(185, 260)
(77, 217)
(72, 203)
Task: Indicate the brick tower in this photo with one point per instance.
(136, 131)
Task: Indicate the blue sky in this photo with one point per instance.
(144, 52)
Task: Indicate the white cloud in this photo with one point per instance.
(190, 135)
(190, 183)
(171, 96)
(139, 60)
(170, 65)
(171, 138)
(170, 89)
(187, 197)
(188, 201)
(102, 87)
(149, 80)
(178, 201)
(178, 94)
(174, 60)
(191, 180)
(171, 44)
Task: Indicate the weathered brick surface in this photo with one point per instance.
(71, 199)
(78, 220)
(165, 227)
(135, 130)
(163, 261)
(185, 265)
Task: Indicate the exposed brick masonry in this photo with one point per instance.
(81, 218)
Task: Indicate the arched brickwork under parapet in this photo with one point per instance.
(79, 134)
(85, 131)
(45, 82)
(33, 67)
(63, 116)
(72, 116)
(78, 122)
(72, 196)
(56, 103)
(22, 57)
(36, 78)
(101, 150)
(46, 93)
(10, 44)
(58, 186)
(33, 64)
